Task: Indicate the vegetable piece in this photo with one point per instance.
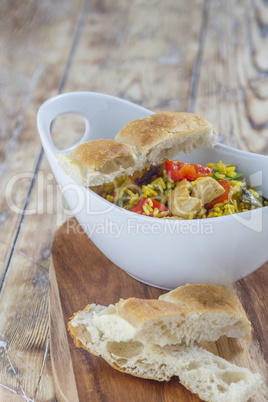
(225, 196)
(145, 201)
(263, 200)
(249, 198)
(150, 175)
(237, 176)
(120, 202)
(179, 170)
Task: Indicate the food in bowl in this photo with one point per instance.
(135, 172)
(177, 190)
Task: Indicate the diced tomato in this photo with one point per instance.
(225, 196)
(179, 170)
(139, 207)
(144, 201)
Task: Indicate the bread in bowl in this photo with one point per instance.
(97, 162)
(165, 134)
(139, 144)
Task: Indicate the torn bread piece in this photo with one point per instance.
(194, 313)
(212, 300)
(100, 161)
(140, 144)
(210, 377)
(163, 135)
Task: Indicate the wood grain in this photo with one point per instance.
(232, 85)
(34, 49)
(61, 362)
(235, 47)
(36, 39)
(84, 275)
(145, 52)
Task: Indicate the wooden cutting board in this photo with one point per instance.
(80, 274)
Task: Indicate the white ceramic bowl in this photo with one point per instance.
(160, 252)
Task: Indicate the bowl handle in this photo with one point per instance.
(59, 105)
(102, 113)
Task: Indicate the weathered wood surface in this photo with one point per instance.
(83, 272)
(147, 55)
(62, 365)
(203, 56)
(232, 89)
(35, 40)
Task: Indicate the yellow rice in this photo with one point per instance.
(160, 189)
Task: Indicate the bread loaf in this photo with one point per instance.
(156, 339)
(96, 162)
(141, 143)
(194, 313)
(163, 135)
(210, 377)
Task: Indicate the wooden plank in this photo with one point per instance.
(47, 205)
(61, 362)
(24, 327)
(76, 257)
(235, 48)
(234, 113)
(145, 54)
(46, 386)
(8, 395)
(34, 48)
(233, 87)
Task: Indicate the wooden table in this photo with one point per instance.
(208, 57)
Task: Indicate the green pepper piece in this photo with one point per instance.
(120, 202)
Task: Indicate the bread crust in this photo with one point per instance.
(139, 311)
(147, 133)
(95, 154)
(186, 300)
(141, 143)
(205, 299)
(142, 357)
(208, 299)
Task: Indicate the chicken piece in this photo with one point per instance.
(181, 189)
(181, 203)
(184, 206)
(207, 189)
